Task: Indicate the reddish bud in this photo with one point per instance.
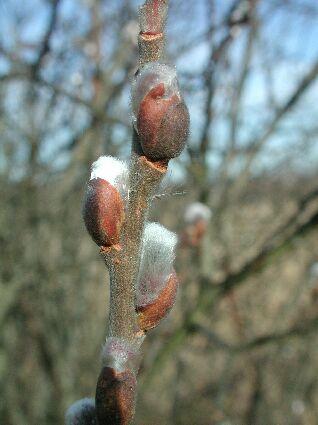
(115, 396)
(103, 212)
(151, 314)
(161, 117)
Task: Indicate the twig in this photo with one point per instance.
(45, 46)
(258, 342)
(139, 255)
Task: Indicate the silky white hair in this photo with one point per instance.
(158, 254)
(149, 76)
(197, 211)
(82, 412)
(117, 352)
(113, 170)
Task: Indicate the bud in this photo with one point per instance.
(151, 314)
(115, 396)
(196, 212)
(160, 115)
(82, 412)
(196, 217)
(103, 209)
(116, 386)
(157, 281)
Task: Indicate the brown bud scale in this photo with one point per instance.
(115, 396)
(150, 315)
(163, 124)
(103, 212)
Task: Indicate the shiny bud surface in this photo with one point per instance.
(161, 117)
(103, 212)
(151, 314)
(115, 396)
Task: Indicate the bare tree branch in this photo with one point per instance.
(45, 45)
(299, 331)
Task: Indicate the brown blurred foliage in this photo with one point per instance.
(240, 347)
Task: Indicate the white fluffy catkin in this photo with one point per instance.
(113, 170)
(82, 412)
(151, 75)
(158, 254)
(197, 211)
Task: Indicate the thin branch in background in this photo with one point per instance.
(56, 123)
(298, 331)
(236, 17)
(45, 45)
(255, 145)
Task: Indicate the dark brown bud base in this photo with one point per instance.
(150, 315)
(103, 212)
(162, 124)
(115, 397)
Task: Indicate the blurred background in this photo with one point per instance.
(241, 345)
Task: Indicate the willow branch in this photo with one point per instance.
(123, 261)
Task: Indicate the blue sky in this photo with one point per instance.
(292, 47)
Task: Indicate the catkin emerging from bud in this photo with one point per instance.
(103, 209)
(113, 170)
(197, 211)
(151, 314)
(160, 115)
(158, 254)
(116, 387)
(157, 281)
